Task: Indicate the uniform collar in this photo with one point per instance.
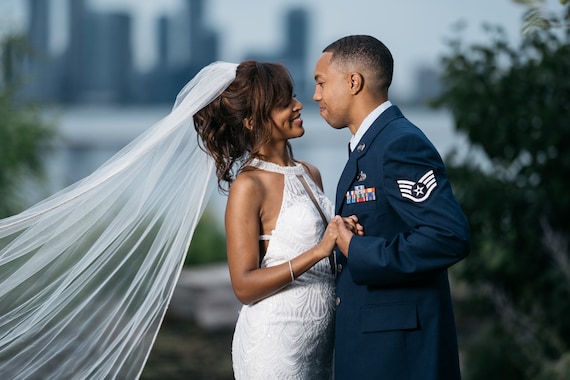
(367, 122)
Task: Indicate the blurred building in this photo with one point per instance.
(41, 71)
(294, 51)
(97, 64)
(428, 85)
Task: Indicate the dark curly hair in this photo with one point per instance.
(257, 90)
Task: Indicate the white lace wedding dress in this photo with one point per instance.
(289, 335)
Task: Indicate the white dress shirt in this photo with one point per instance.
(367, 122)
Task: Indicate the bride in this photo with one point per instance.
(277, 245)
(87, 274)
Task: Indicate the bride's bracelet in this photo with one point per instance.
(291, 272)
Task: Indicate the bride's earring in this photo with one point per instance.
(248, 124)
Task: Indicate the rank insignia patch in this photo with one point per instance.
(418, 191)
(360, 194)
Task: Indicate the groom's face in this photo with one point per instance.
(331, 91)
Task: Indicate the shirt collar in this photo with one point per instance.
(367, 122)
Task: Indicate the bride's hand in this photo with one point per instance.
(330, 236)
(347, 229)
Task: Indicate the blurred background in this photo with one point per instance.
(113, 68)
(486, 80)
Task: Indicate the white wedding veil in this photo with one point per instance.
(87, 274)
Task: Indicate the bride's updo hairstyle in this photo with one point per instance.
(235, 125)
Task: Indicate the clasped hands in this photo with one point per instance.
(341, 230)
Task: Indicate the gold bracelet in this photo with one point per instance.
(291, 272)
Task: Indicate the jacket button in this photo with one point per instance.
(337, 301)
(339, 268)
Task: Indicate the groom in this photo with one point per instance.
(394, 316)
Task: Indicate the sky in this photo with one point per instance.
(415, 31)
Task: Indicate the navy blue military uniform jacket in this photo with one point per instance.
(394, 317)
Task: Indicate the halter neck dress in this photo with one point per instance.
(289, 335)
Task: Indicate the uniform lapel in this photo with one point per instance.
(344, 182)
(351, 168)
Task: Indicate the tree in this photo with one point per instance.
(24, 136)
(513, 104)
(208, 242)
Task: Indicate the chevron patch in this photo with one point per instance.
(418, 191)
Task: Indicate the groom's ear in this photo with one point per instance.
(356, 83)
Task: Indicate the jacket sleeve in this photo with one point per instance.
(423, 231)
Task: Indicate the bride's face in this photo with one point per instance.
(287, 122)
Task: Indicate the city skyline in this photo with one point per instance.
(414, 30)
(97, 63)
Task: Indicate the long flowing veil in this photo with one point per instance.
(87, 274)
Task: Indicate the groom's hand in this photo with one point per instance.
(351, 222)
(345, 232)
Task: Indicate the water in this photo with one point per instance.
(93, 134)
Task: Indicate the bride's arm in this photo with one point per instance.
(250, 282)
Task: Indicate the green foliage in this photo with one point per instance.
(24, 136)
(513, 104)
(208, 243)
(499, 360)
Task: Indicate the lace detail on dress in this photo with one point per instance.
(271, 167)
(289, 334)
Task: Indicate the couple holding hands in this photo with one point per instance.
(354, 290)
(383, 309)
